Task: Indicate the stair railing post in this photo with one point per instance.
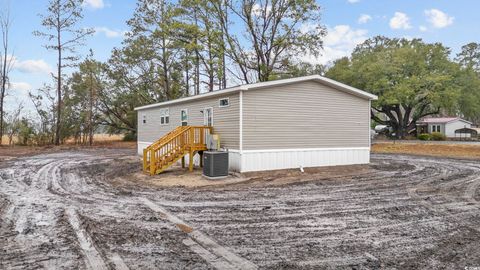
(145, 159)
(153, 163)
(191, 152)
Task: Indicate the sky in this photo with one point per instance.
(349, 22)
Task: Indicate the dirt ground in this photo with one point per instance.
(90, 209)
(12, 152)
(441, 149)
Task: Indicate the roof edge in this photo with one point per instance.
(332, 83)
(445, 122)
(460, 119)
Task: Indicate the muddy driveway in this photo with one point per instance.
(67, 211)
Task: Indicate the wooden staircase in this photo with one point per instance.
(174, 146)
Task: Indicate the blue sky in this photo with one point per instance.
(454, 23)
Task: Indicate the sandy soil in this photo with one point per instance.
(88, 210)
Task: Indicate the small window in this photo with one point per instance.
(164, 117)
(184, 117)
(224, 102)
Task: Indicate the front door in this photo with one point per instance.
(184, 117)
(208, 117)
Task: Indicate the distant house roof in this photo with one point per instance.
(317, 78)
(441, 120)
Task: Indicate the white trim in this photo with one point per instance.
(369, 123)
(241, 122)
(304, 149)
(459, 119)
(144, 142)
(337, 85)
(164, 113)
(181, 120)
(224, 106)
(204, 115)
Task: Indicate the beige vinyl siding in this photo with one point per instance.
(225, 119)
(304, 115)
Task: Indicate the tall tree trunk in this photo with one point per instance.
(1, 119)
(90, 112)
(165, 71)
(210, 65)
(187, 73)
(5, 29)
(223, 83)
(59, 89)
(197, 57)
(2, 95)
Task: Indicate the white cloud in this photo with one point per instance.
(364, 18)
(32, 66)
(20, 86)
(95, 4)
(438, 19)
(109, 33)
(423, 28)
(353, 1)
(257, 9)
(339, 42)
(400, 21)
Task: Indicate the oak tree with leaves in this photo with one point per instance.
(412, 79)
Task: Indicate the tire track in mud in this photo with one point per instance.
(45, 190)
(399, 228)
(93, 258)
(212, 252)
(402, 212)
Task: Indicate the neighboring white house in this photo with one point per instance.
(301, 122)
(451, 127)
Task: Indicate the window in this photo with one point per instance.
(435, 128)
(184, 117)
(208, 117)
(164, 116)
(224, 102)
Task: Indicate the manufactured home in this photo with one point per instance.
(451, 127)
(301, 122)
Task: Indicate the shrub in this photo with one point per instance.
(129, 137)
(424, 137)
(437, 136)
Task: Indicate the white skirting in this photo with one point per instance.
(263, 160)
(277, 159)
(141, 146)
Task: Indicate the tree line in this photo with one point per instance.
(180, 48)
(171, 49)
(413, 79)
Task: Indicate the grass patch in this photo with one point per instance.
(437, 150)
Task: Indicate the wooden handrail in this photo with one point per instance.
(174, 144)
